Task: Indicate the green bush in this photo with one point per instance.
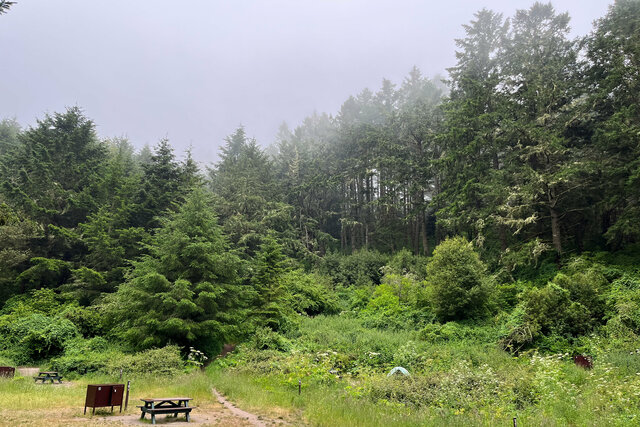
(505, 297)
(6, 361)
(164, 361)
(310, 293)
(460, 285)
(405, 262)
(454, 331)
(82, 356)
(410, 290)
(361, 268)
(44, 301)
(384, 309)
(35, 337)
(87, 319)
(267, 339)
(85, 285)
(625, 307)
(45, 273)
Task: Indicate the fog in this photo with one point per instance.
(193, 71)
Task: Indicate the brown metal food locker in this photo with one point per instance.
(102, 395)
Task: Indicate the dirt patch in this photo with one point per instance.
(214, 412)
(204, 417)
(252, 419)
(28, 371)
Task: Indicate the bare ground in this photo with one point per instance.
(217, 412)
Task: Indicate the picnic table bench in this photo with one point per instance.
(48, 376)
(166, 405)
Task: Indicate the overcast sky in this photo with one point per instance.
(193, 70)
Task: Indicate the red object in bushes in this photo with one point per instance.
(583, 361)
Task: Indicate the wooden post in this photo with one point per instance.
(299, 387)
(120, 374)
(515, 422)
(126, 402)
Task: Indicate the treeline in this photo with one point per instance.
(532, 147)
(535, 147)
(531, 150)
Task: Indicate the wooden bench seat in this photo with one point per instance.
(166, 410)
(49, 378)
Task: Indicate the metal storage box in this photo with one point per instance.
(117, 395)
(101, 395)
(7, 371)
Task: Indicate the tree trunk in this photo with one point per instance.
(502, 232)
(416, 237)
(366, 236)
(353, 238)
(555, 230)
(555, 220)
(425, 241)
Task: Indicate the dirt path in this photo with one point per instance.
(251, 418)
(215, 413)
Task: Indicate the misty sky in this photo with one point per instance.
(193, 70)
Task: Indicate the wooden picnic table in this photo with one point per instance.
(48, 376)
(166, 405)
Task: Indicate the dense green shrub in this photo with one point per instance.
(400, 301)
(410, 290)
(82, 356)
(164, 361)
(405, 262)
(624, 306)
(505, 297)
(44, 301)
(88, 320)
(310, 293)
(6, 361)
(360, 268)
(45, 273)
(267, 339)
(572, 305)
(34, 337)
(384, 308)
(460, 285)
(85, 285)
(454, 331)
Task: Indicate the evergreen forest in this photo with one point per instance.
(479, 230)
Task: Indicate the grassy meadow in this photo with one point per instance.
(459, 378)
(27, 403)
(343, 369)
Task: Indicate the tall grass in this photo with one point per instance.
(461, 381)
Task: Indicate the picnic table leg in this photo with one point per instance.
(153, 418)
(143, 414)
(85, 410)
(187, 414)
